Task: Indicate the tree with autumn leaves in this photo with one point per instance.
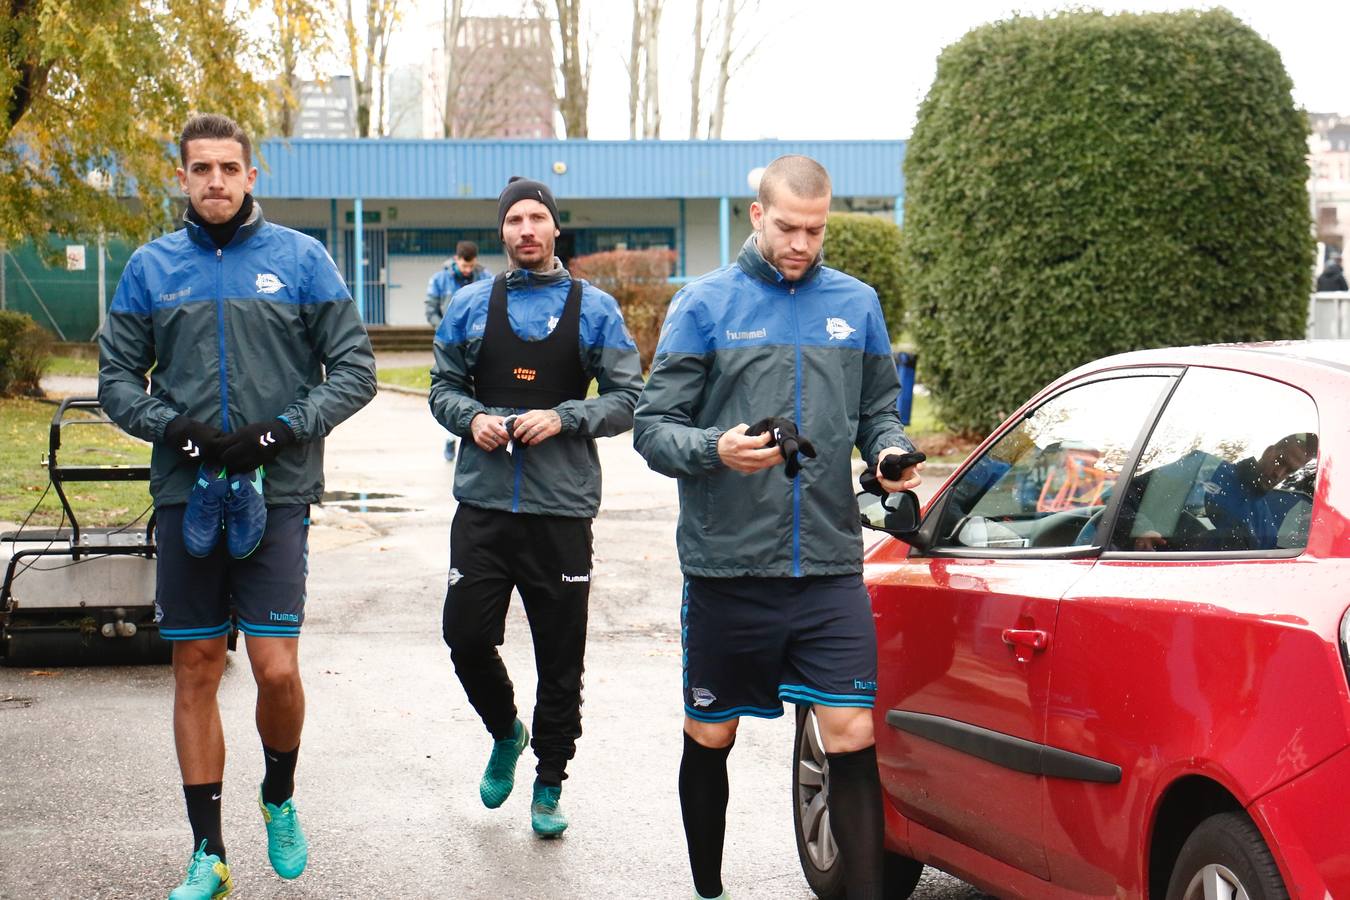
(92, 96)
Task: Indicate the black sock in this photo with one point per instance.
(203, 807)
(703, 803)
(279, 777)
(856, 821)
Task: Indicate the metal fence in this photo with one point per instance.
(62, 301)
(1329, 316)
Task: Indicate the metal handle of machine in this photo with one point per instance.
(60, 474)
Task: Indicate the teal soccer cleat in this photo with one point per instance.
(500, 775)
(546, 816)
(287, 847)
(207, 878)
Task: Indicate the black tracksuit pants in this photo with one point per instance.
(548, 559)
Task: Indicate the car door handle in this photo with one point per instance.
(1026, 641)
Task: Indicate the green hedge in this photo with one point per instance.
(1085, 184)
(25, 353)
(868, 248)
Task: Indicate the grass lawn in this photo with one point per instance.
(73, 365)
(407, 376)
(24, 425)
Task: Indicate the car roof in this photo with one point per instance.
(1255, 357)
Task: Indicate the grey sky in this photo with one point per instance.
(859, 68)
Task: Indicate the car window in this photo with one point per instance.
(1230, 467)
(1043, 482)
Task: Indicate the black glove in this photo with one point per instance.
(784, 436)
(892, 467)
(195, 441)
(254, 445)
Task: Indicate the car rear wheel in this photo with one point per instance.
(1226, 859)
(816, 848)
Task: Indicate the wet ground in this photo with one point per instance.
(90, 804)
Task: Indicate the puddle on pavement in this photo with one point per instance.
(348, 496)
(358, 501)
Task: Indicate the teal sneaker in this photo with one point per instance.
(546, 818)
(245, 513)
(207, 878)
(287, 847)
(500, 775)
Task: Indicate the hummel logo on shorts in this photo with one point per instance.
(569, 578)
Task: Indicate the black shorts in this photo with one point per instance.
(751, 643)
(193, 597)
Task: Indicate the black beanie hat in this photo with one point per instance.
(517, 189)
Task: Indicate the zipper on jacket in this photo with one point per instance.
(220, 335)
(797, 480)
(519, 460)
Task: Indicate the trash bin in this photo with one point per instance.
(905, 364)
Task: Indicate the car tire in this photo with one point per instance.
(1226, 852)
(816, 849)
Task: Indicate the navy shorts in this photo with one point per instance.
(193, 597)
(751, 643)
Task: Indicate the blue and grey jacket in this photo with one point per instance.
(561, 476)
(445, 284)
(742, 343)
(261, 328)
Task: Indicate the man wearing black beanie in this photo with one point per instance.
(514, 360)
(518, 189)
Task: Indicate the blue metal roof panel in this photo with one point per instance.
(609, 170)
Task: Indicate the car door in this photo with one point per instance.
(1179, 652)
(966, 628)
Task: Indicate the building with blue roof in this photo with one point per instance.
(402, 205)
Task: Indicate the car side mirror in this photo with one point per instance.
(896, 514)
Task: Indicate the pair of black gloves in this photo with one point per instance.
(783, 435)
(256, 444)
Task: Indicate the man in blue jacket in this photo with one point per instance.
(774, 604)
(255, 352)
(459, 272)
(514, 360)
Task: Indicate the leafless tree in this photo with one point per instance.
(635, 70)
(651, 112)
(732, 54)
(574, 65)
(644, 98)
(368, 54)
(452, 25)
(696, 81)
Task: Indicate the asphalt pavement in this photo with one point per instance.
(90, 802)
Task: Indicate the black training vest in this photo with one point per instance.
(517, 373)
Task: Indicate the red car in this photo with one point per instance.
(1113, 647)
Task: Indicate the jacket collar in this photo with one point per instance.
(523, 278)
(753, 263)
(199, 236)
